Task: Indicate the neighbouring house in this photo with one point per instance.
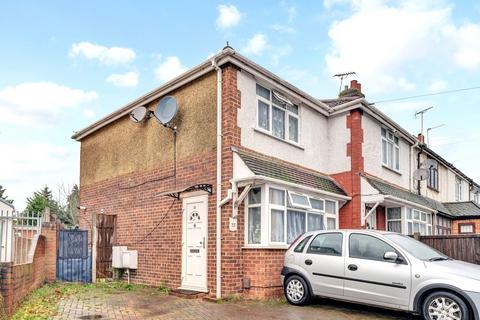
(250, 162)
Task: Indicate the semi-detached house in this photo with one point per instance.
(254, 162)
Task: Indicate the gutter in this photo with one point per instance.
(218, 249)
(413, 204)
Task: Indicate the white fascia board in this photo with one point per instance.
(260, 73)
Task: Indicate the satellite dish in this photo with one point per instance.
(429, 163)
(138, 114)
(166, 110)
(421, 174)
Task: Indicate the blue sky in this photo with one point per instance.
(66, 64)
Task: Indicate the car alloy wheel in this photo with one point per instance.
(443, 308)
(295, 290)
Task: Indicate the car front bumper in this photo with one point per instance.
(475, 298)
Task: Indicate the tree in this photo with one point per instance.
(68, 201)
(3, 196)
(40, 200)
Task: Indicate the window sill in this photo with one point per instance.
(392, 170)
(296, 145)
(277, 247)
(433, 189)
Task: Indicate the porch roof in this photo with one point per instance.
(277, 169)
(397, 192)
(465, 209)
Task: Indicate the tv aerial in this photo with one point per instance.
(343, 76)
(421, 174)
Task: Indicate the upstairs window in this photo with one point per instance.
(432, 181)
(390, 150)
(458, 189)
(276, 115)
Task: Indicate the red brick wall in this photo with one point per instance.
(350, 213)
(381, 218)
(19, 280)
(456, 225)
(49, 231)
(262, 268)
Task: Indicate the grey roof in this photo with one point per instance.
(463, 209)
(7, 203)
(388, 189)
(277, 169)
(339, 101)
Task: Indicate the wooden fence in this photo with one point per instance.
(459, 247)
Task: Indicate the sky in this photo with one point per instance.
(64, 65)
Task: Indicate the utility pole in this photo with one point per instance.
(421, 112)
(430, 129)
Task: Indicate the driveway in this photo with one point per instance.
(151, 304)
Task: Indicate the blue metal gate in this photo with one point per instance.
(74, 262)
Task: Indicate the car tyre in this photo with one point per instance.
(296, 290)
(442, 305)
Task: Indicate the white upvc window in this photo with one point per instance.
(280, 220)
(390, 150)
(458, 189)
(276, 116)
(413, 221)
(476, 197)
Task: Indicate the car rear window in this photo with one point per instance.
(302, 244)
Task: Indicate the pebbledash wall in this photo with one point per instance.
(16, 281)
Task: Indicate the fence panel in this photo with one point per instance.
(459, 247)
(19, 233)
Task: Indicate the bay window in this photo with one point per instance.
(276, 115)
(414, 221)
(283, 215)
(390, 150)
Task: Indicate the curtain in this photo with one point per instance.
(277, 196)
(277, 226)
(395, 226)
(254, 225)
(293, 128)
(331, 223)
(263, 119)
(295, 224)
(315, 222)
(330, 207)
(278, 123)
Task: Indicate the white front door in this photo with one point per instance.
(194, 243)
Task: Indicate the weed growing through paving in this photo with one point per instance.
(43, 303)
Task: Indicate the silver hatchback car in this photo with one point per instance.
(383, 269)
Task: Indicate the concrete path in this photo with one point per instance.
(151, 304)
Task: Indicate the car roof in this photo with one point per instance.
(365, 231)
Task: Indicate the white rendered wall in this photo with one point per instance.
(372, 154)
(338, 137)
(313, 132)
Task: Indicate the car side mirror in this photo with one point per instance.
(390, 256)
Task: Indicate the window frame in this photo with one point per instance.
(390, 139)
(327, 254)
(266, 211)
(458, 188)
(371, 259)
(405, 220)
(271, 104)
(248, 205)
(433, 178)
(466, 224)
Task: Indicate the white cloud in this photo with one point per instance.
(89, 113)
(380, 40)
(467, 45)
(256, 45)
(437, 85)
(228, 16)
(279, 52)
(129, 79)
(282, 28)
(35, 103)
(31, 165)
(169, 69)
(109, 56)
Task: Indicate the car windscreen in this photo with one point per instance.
(416, 248)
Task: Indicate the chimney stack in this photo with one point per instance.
(354, 84)
(421, 138)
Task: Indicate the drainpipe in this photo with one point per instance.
(219, 183)
(418, 167)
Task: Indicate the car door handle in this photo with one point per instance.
(308, 262)
(352, 267)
